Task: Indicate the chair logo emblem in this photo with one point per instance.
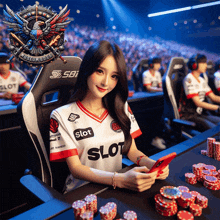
(177, 66)
(66, 74)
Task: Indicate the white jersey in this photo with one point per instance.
(12, 82)
(152, 80)
(98, 141)
(194, 87)
(217, 80)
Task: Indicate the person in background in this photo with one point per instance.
(152, 82)
(10, 80)
(194, 106)
(97, 127)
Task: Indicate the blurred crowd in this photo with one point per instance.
(79, 38)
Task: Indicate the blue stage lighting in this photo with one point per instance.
(184, 9)
(169, 11)
(206, 5)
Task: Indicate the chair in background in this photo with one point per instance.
(138, 70)
(52, 88)
(173, 89)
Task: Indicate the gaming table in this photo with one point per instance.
(188, 153)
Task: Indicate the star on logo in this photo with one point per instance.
(73, 117)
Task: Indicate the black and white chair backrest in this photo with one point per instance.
(52, 88)
(138, 70)
(173, 87)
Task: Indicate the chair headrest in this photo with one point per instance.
(56, 74)
(177, 64)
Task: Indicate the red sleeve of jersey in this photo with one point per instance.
(136, 134)
(147, 84)
(218, 89)
(22, 84)
(210, 91)
(62, 155)
(191, 95)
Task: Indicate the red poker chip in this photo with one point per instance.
(183, 188)
(210, 179)
(187, 196)
(185, 215)
(130, 215)
(210, 167)
(164, 201)
(194, 193)
(170, 192)
(165, 209)
(204, 152)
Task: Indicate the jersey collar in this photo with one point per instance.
(5, 77)
(90, 114)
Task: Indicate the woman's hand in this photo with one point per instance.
(136, 179)
(163, 174)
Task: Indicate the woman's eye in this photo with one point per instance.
(99, 71)
(115, 77)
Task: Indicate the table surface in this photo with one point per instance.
(188, 153)
(143, 202)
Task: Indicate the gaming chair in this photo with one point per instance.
(138, 70)
(52, 88)
(173, 89)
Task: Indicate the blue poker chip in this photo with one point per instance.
(170, 192)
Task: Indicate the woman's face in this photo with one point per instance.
(104, 79)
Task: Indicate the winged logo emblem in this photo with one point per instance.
(36, 33)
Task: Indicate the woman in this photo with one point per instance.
(97, 127)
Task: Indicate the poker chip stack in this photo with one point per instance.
(130, 215)
(206, 174)
(165, 201)
(202, 201)
(211, 182)
(210, 146)
(108, 211)
(213, 149)
(195, 209)
(91, 203)
(186, 199)
(216, 153)
(170, 198)
(79, 207)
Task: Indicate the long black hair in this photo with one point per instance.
(114, 101)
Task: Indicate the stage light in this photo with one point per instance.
(184, 9)
(206, 5)
(169, 11)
